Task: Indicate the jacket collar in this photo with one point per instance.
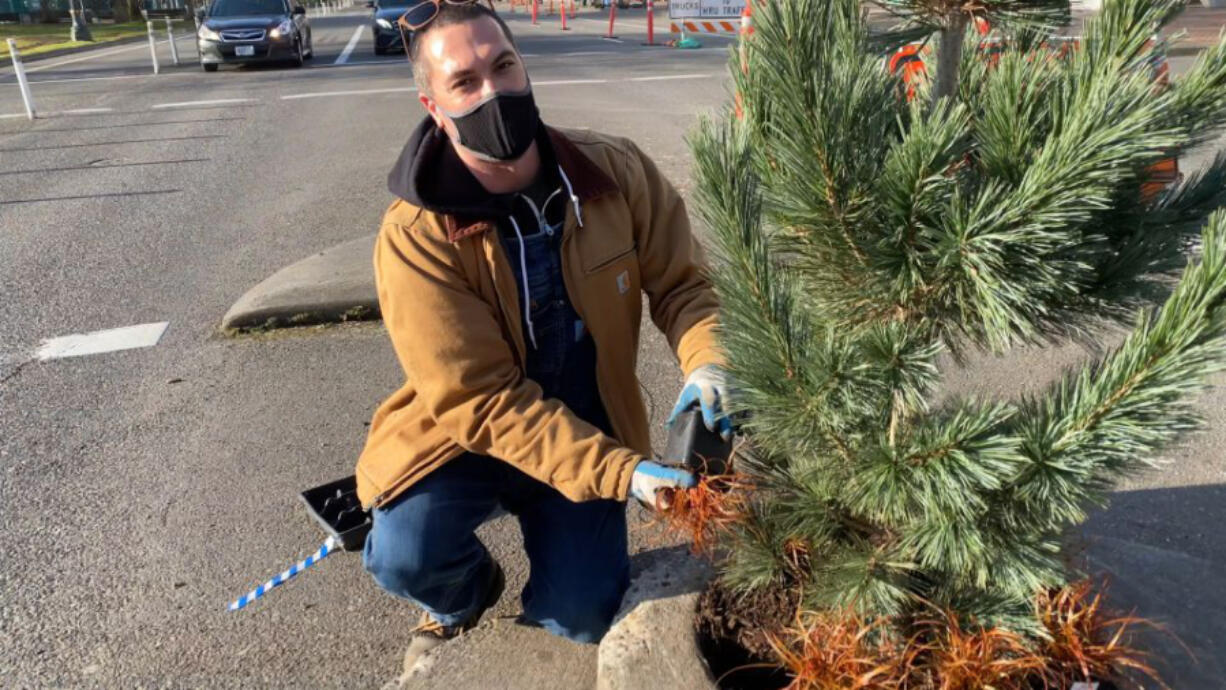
(587, 179)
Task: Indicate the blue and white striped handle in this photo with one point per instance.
(329, 546)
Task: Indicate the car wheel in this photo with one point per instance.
(380, 50)
(310, 46)
(209, 66)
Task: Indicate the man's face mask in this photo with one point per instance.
(500, 127)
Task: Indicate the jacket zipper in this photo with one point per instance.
(566, 281)
(506, 311)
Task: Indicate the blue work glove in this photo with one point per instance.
(707, 386)
(649, 477)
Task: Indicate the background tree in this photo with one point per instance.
(861, 234)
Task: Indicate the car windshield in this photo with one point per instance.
(238, 8)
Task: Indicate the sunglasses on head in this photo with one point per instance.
(421, 14)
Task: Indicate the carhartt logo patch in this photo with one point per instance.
(623, 282)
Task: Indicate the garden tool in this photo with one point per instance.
(336, 508)
(700, 450)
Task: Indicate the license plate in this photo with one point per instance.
(244, 51)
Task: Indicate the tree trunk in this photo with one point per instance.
(949, 58)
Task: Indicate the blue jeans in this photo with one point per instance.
(422, 547)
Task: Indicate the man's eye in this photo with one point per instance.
(506, 64)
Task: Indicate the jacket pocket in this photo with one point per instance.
(614, 258)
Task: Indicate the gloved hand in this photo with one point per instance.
(649, 477)
(708, 386)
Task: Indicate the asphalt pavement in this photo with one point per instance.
(142, 490)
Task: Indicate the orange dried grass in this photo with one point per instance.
(707, 510)
(953, 658)
(837, 650)
(1087, 642)
(841, 651)
(844, 650)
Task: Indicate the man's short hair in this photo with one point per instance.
(448, 14)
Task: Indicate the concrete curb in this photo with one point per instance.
(337, 284)
(652, 643)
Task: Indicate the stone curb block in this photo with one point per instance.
(652, 643)
(337, 284)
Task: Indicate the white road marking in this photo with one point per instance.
(363, 92)
(567, 82)
(122, 76)
(353, 43)
(402, 62)
(351, 63)
(97, 342)
(574, 54)
(668, 77)
(561, 82)
(358, 63)
(215, 101)
(54, 113)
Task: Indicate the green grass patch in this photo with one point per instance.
(33, 39)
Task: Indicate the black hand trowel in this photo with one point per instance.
(700, 450)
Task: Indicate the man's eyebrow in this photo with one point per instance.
(466, 73)
(462, 74)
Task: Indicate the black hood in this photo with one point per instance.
(255, 21)
(431, 176)
(390, 13)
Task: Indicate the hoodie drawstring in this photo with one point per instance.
(523, 272)
(540, 212)
(523, 252)
(573, 199)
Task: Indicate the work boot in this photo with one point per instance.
(429, 633)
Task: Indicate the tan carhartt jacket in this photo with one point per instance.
(451, 306)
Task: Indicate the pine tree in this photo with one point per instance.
(859, 234)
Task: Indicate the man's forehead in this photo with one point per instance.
(458, 47)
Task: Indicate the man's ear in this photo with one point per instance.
(431, 108)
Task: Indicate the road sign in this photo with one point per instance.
(705, 9)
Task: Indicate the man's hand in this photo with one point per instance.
(708, 387)
(650, 477)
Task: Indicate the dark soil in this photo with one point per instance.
(732, 633)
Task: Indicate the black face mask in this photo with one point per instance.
(499, 128)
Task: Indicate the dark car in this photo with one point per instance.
(246, 31)
(383, 24)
